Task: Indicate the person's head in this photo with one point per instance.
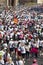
(34, 60)
(20, 58)
(9, 59)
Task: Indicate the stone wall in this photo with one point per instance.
(39, 1)
(5, 2)
(26, 1)
(2, 2)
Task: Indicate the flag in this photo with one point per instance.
(15, 20)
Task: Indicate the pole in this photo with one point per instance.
(7, 3)
(16, 2)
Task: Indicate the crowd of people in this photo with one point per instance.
(20, 35)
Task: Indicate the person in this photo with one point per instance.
(20, 61)
(6, 55)
(35, 62)
(34, 50)
(19, 50)
(0, 37)
(2, 51)
(23, 50)
(27, 50)
(1, 60)
(9, 61)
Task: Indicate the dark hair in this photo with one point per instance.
(18, 44)
(34, 62)
(41, 64)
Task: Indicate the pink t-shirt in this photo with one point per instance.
(21, 36)
(35, 64)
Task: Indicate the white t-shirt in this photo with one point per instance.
(1, 62)
(23, 49)
(42, 43)
(5, 45)
(37, 43)
(27, 48)
(19, 49)
(20, 62)
(11, 35)
(11, 43)
(8, 55)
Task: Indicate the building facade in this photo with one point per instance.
(40, 1)
(9, 2)
(15, 2)
(2, 2)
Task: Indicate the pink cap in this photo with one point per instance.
(34, 60)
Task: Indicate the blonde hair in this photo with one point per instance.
(9, 60)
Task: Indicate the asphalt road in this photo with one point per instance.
(29, 60)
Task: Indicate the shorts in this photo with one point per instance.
(23, 55)
(11, 49)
